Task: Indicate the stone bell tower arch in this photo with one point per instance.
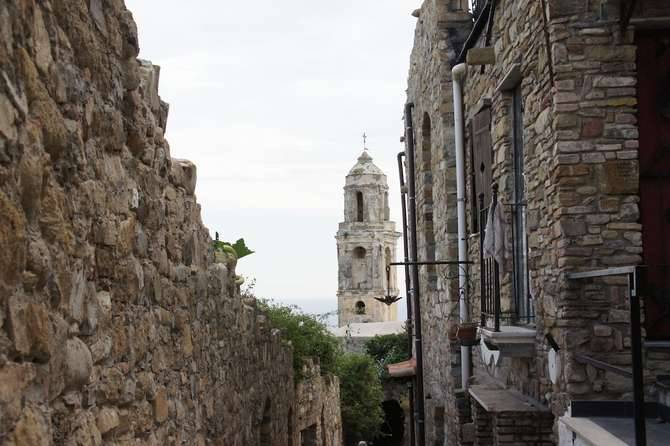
(366, 243)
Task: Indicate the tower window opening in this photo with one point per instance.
(359, 206)
(359, 252)
(360, 307)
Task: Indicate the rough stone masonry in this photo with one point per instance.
(116, 325)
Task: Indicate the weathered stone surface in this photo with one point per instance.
(161, 406)
(114, 321)
(12, 240)
(32, 429)
(78, 363)
(107, 420)
(481, 56)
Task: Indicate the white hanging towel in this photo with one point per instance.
(494, 240)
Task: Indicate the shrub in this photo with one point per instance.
(310, 338)
(361, 396)
(388, 349)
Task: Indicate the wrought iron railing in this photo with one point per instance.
(632, 273)
(523, 300)
(489, 272)
(521, 308)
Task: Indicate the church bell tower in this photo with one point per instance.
(366, 244)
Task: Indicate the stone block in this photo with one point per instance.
(602, 330)
(29, 329)
(619, 177)
(613, 81)
(565, 120)
(78, 363)
(183, 174)
(107, 420)
(12, 241)
(609, 53)
(481, 56)
(592, 128)
(161, 406)
(32, 429)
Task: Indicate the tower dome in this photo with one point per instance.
(365, 166)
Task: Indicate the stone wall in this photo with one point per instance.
(440, 29)
(577, 76)
(317, 407)
(116, 324)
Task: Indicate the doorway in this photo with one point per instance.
(653, 69)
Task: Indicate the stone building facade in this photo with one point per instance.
(366, 244)
(117, 327)
(565, 107)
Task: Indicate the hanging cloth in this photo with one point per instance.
(494, 238)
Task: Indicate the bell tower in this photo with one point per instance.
(366, 243)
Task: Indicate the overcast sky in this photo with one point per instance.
(270, 98)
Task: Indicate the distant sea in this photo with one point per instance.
(327, 308)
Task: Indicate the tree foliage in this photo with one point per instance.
(388, 349)
(309, 336)
(361, 396)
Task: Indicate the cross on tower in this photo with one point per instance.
(365, 137)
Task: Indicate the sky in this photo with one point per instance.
(270, 100)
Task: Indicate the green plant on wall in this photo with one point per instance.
(229, 253)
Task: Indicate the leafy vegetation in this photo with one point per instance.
(388, 349)
(309, 336)
(361, 396)
(239, 248)
(225, 252)
(361, 393)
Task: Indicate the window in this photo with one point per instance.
(481, 156)
(359, 307)
(522, 303)
(308, 436)
(359, 268)
(359, 206)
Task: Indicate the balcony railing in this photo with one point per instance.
(489, 273)
(521, 311)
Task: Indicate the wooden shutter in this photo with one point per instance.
(483, 153)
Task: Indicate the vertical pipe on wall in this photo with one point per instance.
(458, 76)
(405, 247)
(418, 347)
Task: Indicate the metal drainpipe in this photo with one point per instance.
(458, 76)
(418, 348)
(410, 340)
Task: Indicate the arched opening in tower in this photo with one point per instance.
(359, 268)
(393, 429)
(360, 307)
(359, 206)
